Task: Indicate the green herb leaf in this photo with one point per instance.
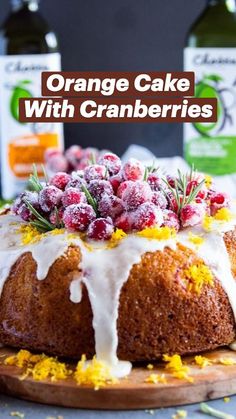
(205, 408)
(92, 201)
(40, 220)
(92, 159)
(180, 191)
(146, 173)
(34, 182)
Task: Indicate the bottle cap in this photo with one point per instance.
(18, 3)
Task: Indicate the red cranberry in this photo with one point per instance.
(95, 171)
(147, 215)
(171, 181)
(49, 197)
(159, 200)
(218, 200)
(192, 185)
(57, 163)
(51, 152)
(31, 197)
(73, 155)
(133, 170)
(60, 180)
(100, 229)
(20, 208)
(155, 181)
(72, 196)
(173, 203)
(171, 220)
(136, 194)
(110, 205)
(112, 162)
(192, 214)
(76, 181)
(123, 187)
(25, 213)
(98, 188)
(78, 217)
(115, 182)
(124, 222)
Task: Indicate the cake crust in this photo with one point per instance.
(157, 314)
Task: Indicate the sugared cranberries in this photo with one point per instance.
(20, 207)
(60, 180)
(111, 162)
(122, 187)
(218, 200)
(78, 217)
(49, 198)
(171, 220)
(110, 205)
(136, 194)
(95, 171)
(100, 187)
(147, 215)
(57, 163)
(159, 199)
(100, 229)
(124, 221)
(155, 181)
(72, 196)
(192, 214)
(76, 181)
(133, 170)
(73, 155)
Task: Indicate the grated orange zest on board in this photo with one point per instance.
(176, 367)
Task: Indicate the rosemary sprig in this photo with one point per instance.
(40, 223)
(45, 173)
(205, 408)
(92, 159)
(150, 169)
(34, 182)
(179, 192)
(91, 200)
(146, 173)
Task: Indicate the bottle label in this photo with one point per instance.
(211, 147)
(23, 144)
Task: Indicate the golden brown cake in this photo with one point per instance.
(118, 261)
(38, 315)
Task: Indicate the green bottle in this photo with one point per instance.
(211, 53)
(28, 46)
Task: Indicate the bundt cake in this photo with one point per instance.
(118, 261)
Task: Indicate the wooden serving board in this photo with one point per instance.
(211, 382)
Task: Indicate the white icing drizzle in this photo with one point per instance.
(104, 273)
(75, 290)
(105, 270)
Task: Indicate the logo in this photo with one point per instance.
(19, 91)
(211, 87)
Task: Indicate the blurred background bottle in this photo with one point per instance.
(211, 53)
(28, 46)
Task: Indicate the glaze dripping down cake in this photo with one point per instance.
(120, 261)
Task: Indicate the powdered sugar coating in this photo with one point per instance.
(136, 194)
(49, 198)
(78, 217)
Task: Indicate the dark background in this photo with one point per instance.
(121, 35)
